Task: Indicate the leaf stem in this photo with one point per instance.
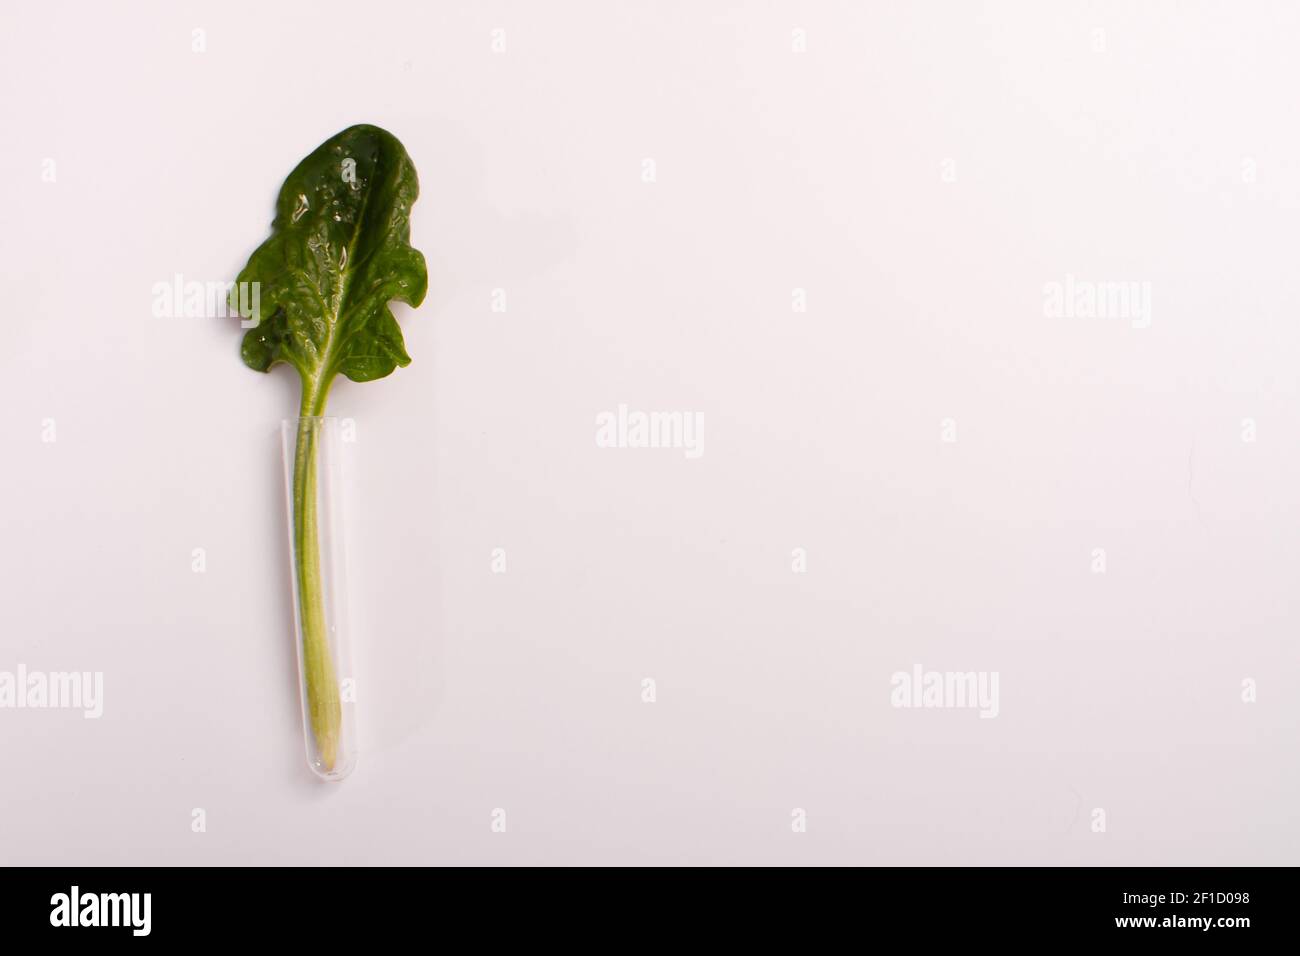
(323, 704)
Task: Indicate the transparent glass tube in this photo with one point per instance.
(313, 469)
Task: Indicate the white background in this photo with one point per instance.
(1170, 156)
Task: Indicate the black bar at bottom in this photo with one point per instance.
(328, 905)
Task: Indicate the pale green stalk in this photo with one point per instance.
(323, 705)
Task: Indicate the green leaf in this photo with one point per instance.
(338, 253)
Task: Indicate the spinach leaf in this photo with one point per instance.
(338, 253)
